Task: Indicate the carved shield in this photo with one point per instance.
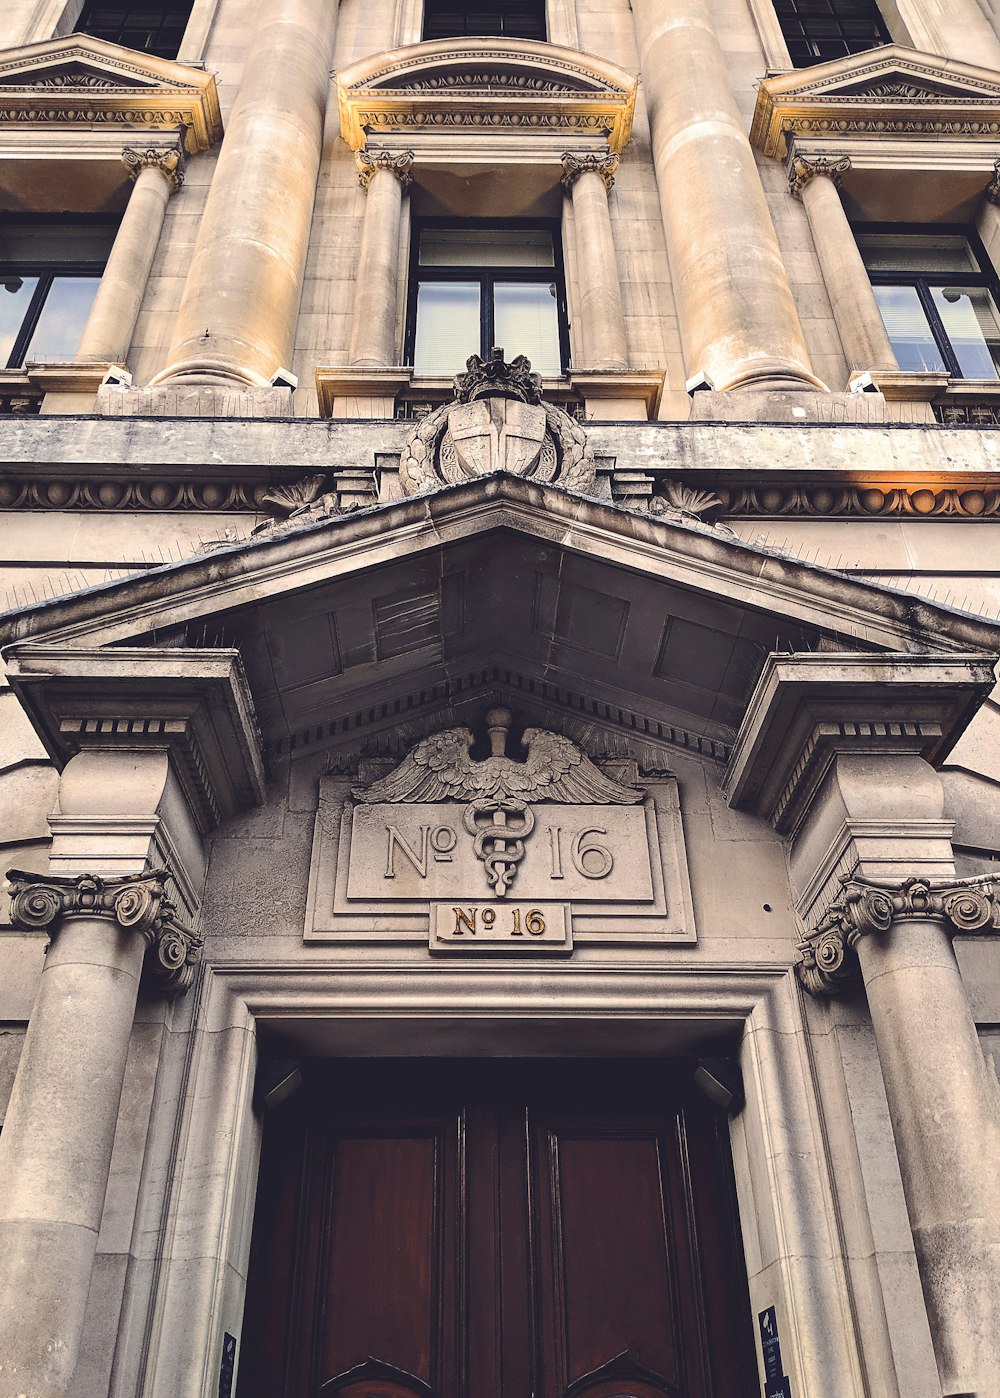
(497, 434)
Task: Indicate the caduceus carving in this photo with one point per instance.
(499, 788)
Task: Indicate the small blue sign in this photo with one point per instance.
(227, 1365)
(776, 1385)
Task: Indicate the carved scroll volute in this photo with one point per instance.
(136, 902)
(868, 908)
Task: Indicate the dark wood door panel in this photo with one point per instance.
(496, 1230)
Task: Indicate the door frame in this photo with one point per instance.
(787, 1199)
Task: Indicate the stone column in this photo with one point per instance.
(863, 334)
(589, 179)
(988, 219)
(383, 176)
(236, 323)
(942, 1100)
(107, 334)
(55, 1150)
(738, 320)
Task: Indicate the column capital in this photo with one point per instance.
(866, 906)
(136, 902)
(803, 169)
(398, 163)
(169, 163)
(992, 190)
(576, 165)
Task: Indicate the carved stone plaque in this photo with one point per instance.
(466, 864)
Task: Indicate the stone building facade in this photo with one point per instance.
(499, 537)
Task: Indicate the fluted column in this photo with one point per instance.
(384, 175)
(589, 179)
(107, 335)
(866, 343)
(738, 321)
(55, 1150)
(236, 322)
(943, 1101)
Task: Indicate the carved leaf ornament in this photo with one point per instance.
(498, 789)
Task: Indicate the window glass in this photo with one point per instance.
(15, 301)
(526, 318)
(915, 252)
(448, 326)
(486, 247)
(514, 19)
(970, 322)
(909, 330)
(63, 316)
(156, 28)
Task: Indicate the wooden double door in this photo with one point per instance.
(496, 1229)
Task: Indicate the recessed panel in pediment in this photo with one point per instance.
(886, 92)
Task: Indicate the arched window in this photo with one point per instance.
(819, 30)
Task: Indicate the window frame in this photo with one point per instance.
(922, 282)
(487, 276)
(47, 269)
(813, 59)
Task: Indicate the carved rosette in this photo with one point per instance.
(168, 162)
(576, 165)
(137, 902)
(398, 163)
(804, 170)
(865, 907)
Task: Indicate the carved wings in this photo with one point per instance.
(440, 767)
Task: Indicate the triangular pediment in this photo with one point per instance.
(500, 586)
(888, 91)
(80, 79)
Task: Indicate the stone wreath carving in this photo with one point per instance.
(498, 788)
(867, 907)
(137, 902)
(496, 422)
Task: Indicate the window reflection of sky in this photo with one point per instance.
(15, 297)
(63, 317)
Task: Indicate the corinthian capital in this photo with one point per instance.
(865, 906)
(804, 170)
(168, 162)
(992, 190)
(576, 165)
(398, 163)
(136, 902)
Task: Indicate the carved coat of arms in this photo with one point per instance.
(498, 789)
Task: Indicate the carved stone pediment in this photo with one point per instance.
(432, 89)
(886, 92)
(82, 82)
